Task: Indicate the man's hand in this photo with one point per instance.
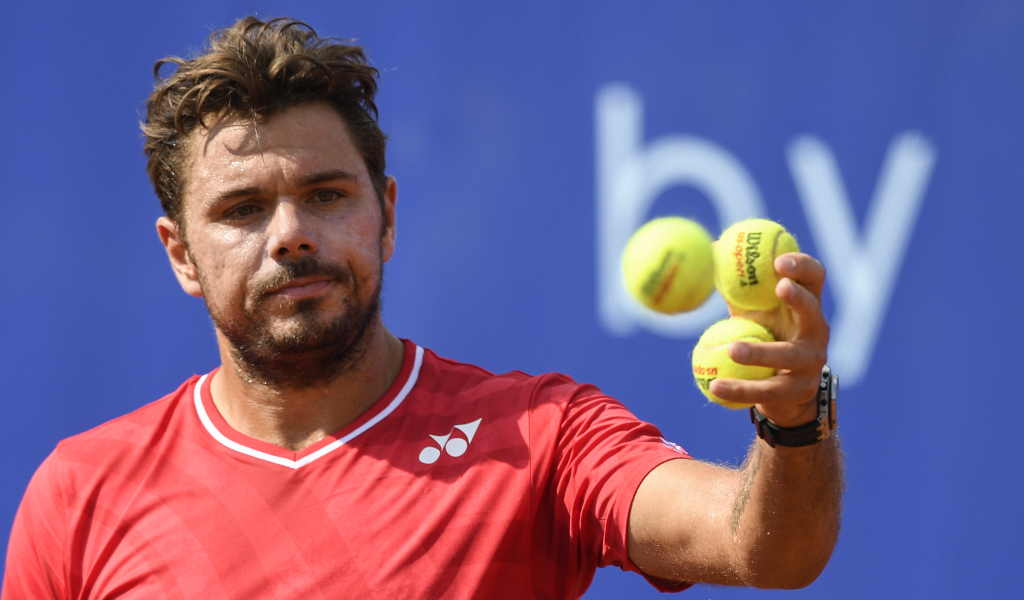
(774, 521)
(799, 327)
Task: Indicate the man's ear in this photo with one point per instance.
(174, 243)
(390, 198)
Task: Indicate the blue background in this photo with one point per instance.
(490, 111)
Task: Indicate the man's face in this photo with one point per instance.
(286, 242)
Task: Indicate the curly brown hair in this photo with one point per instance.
(258, 68)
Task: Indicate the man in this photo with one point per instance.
(327, 458)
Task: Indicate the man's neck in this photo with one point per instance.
(297, 418)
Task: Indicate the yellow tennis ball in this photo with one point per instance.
(668, 266)
(711, 356)
(744, 262)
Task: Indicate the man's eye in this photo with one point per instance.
(242, 211)
(326, 196)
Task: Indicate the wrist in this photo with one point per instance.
(819, 428)
(790, 415)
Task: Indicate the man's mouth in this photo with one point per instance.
(304, 287)
(301, 279)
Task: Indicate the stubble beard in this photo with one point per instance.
(317, 349)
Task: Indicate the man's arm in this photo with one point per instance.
(775, 521)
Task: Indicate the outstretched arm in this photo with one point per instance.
(774, 521)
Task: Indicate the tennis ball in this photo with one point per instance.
(711, 356)
(668, 266)
(744, 262)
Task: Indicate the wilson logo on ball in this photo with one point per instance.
(746, 258)
(746, 254)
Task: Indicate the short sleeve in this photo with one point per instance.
(36, 553)
(602, 454)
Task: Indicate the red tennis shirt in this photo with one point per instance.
(458, 483)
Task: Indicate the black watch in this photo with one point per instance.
(809, 433)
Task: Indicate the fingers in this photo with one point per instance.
(803, 269)
(801, 280)
(787, 398)
(799, 325)
(788, 356)
(803, 352)
(807, 315)
(775, 392)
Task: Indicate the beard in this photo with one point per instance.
(318, 347)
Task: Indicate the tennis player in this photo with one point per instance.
(328, 458)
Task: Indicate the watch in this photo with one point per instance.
(809, 433)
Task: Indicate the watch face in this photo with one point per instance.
(833, 396)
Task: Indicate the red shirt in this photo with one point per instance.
(458, 483)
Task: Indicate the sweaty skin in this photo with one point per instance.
(301, 192)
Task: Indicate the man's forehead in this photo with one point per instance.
(311, 134)
(229, 134)
(241, 135)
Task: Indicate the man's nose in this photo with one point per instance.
(290, 236)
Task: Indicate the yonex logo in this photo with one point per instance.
(454, 446)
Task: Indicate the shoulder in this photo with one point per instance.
(542, 405)
(440, 374)
(135, 431)
(115, 451)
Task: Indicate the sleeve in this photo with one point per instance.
(36, 554)
(601, 456)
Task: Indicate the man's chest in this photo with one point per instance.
(419, 513)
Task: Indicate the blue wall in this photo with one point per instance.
(837, 119)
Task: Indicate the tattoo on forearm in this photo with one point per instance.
(752, 467)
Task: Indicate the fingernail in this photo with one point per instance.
(740, 351)
(787, 262)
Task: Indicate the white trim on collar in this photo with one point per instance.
(305, 460)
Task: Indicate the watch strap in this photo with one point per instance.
(809, 433)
